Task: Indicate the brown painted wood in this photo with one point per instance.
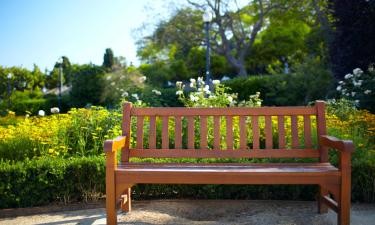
(152, 132)
(206, 153)
(281, 131)
(217, 132)
(111, 188)
(203, 132)
(321, 128)
(178, 132)
(164, 134)
(243, 132)
(230, 111)
(255, 128)
(229, 127)
(268, 131)
(190, 135)
(115, 144)
(345, 188)
(330, 203)
(307, 131)
(126, 120)
(294, 126)
(140, 132)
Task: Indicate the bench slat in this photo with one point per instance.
(229, 111)
(294, 123)
(164, 134)
(229, 126)
(255, 127)
(178, 132)
(241, 153)
(243, 133)
(140, 131)
(216, 132)
(203, 132)
(190, 135)
(281, 131)
(307, 131)
(268, 129)
(152, 132)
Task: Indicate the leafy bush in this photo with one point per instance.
(38, 182)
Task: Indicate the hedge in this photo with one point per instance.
(42, 181)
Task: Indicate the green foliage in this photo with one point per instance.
(39, 182)
(310, 81)
(108, 59)
(87, 85)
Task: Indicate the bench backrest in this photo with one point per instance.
(264, 132)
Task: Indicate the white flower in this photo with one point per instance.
(347, 76)
(357, 84)
(341, 82)
(55, 110)
(338, 88)
(178, 83)
(113, 83)
(353, 93)
(135, 96)
(367, 92)
(216, 82)
(357, 72)
(192, 85)
(192, 80)
(125, 94)
(156, 92)
(207, 89)
(41, 113)
(356, 101)
(343, 91)
(179, 92)
(200, 81)
(194, 98)
(142, 79)
(109, 77)
(230, 98)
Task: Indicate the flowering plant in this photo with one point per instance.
(359, 86)
(202, 95)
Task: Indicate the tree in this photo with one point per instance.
(353, 39)
(108, 59)
(236, 29)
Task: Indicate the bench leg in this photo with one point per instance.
(322, 208)
(126, 205)
(110, 189)
(343, 214)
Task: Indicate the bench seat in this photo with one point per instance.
(227, 173)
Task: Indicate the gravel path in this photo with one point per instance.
(217, 212)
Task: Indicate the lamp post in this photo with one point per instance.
(60, 61)
(9, 88)
(207, 18)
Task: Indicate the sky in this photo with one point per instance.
(40, 31)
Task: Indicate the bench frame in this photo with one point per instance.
(334, 191)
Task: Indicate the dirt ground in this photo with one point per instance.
(217, 212)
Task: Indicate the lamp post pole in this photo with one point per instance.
(207, 18)
(9, 89)
(60, 81)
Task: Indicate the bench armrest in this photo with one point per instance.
(113, 145)
(340, 145)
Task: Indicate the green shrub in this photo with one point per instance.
(39, 182)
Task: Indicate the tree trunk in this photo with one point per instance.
(241, 70)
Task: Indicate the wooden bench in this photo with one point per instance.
(334, 183)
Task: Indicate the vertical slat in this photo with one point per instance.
(229, 125)
(203, 132)
(255, 128)
(126, 124)
(294, 125)
(152, 132)
(216, 132)
(321, 128)
(190, 120)
(243, 133)
(281, 131)
(164, 133)
(268, 132)
(178, 133)
(140, 132)
(307, 131)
